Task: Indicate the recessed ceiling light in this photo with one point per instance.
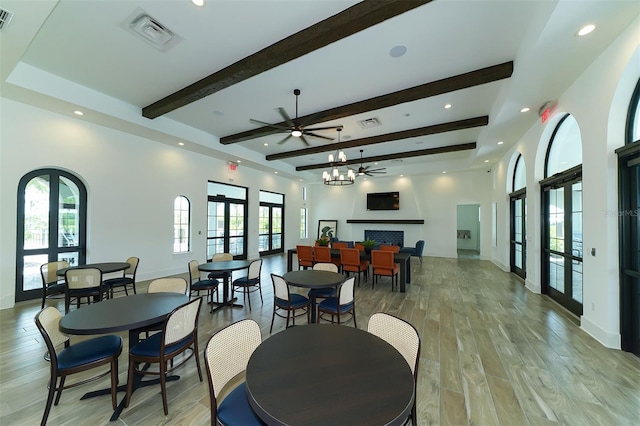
(447, 106)
(78, 112)
(198, 3)
(266, 144)
(398, 51)
(181, 143)
(525, 109)
(586, 29)
(444, 172)
(275, 172)
(401, 175)
(238, 161)
(500, 143)
(486, 161)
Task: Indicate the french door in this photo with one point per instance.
(52, 223)
(562, 239)
(271, 221)
(227, 228)
(518, 252)
(629, 223)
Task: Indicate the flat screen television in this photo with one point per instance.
(383, 201)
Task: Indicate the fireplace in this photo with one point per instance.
(395, 238)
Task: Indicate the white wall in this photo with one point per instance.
(433, 198)
(601, 119)
(131, 184)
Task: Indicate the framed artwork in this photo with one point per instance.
(327, 229)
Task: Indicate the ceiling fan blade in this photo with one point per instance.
(304, 140)
(306, 133)
(262, 123)
(285, 139)
(374, 173)
(380, 170)
(339, 126)
(286, 117)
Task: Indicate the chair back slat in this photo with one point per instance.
(48, 321)
(254, 269)
(133, 266)
(280, 287)
(346, 291)
(332, 267)
(399, 333)
(194, 272)
(182, 321)
(83, 278)
(222, 257)
(49, 271)
(168, 285)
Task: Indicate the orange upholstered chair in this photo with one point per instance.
(351, 262)
(383, 265)
(358, 246)
(394, 249)
(339, 245)
(305, 256)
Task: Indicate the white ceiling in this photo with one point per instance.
(65, 55)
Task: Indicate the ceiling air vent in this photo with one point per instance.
(152, 31)
(5, 18)
(370, 122)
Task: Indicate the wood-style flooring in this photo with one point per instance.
(492, 354)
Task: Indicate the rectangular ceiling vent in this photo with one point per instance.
(5, 18)
(153, 32)
(370, 122)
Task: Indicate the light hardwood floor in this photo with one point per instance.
(492, 354)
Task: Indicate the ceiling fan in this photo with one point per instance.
(365, 170)
(294, 127)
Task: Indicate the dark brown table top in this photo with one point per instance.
(309, 278)
(105, 267)
(326, 374)
(225, 265)
(121, 313)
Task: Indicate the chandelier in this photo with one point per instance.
(337, 177)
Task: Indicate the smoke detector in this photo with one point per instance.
(5, 18)
(153, 32)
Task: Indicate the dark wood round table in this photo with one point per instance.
(309, 278)
(226, 267)
(105, 267)
(326, 374)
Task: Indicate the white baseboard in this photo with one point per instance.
(610, 340)
(7, 301)
(532, 287)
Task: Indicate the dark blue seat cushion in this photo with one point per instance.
(236, 410)
(323, 292)
(151, 346)
(204, 284)
(297, 301)
(114, 282)
(245, 282)
(331, 305)
(89, 351)
(56, 288)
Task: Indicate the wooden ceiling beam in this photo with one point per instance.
(344, 24)
(434, 88)
(394, 156)
(405, 134)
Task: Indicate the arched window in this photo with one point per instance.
(518, 239)
(181, 224)
(633, 117)
(562, 213)
(52, 225)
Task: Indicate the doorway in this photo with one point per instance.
(468, 231)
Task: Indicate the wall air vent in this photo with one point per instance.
(153, 32)
(370, 122)
(5, 18)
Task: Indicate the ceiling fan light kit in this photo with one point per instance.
(336, 177)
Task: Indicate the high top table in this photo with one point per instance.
(128, 313)
(327, 374)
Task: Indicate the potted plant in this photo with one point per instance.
(322, 242)
(368, 245)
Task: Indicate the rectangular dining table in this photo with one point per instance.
(128, 313)
(403, 259)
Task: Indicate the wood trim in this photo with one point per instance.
(405, 134)
(389, 221)
(406, 154)
(446, 85)
(341, 25)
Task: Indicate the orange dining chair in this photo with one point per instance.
(383, 265)
(394, 249)
(305, 256)
(339, 245)
(322, 254)
(358, 246)
(351, 262)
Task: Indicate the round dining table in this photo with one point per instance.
(327, 374)
(226, 267)
(132, 313)
(310, 278)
